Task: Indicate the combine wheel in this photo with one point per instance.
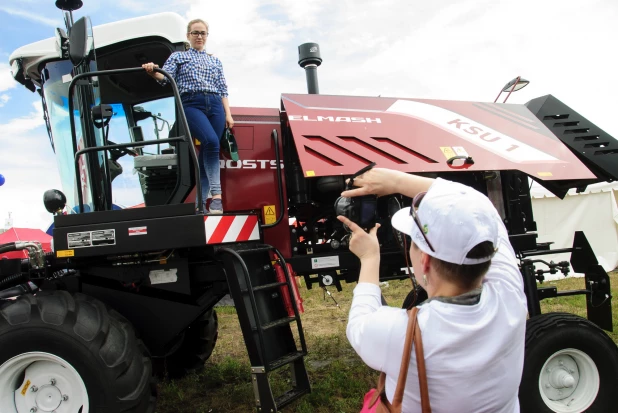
(570, 366)
(197, 345)
(68, 353)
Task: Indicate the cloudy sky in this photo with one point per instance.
(439, 49)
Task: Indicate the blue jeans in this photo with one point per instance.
(206, 118)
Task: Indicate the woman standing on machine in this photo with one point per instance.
(203, 90)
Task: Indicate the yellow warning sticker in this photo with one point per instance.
(270, 214)
(460, 151)
(310, 173)
(448, 152)
(65, 253)
(24, 389)
(545, 174)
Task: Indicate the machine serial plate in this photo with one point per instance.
(91, 238)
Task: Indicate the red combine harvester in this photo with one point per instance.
(126, 286)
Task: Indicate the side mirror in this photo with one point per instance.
(78, 41)
(54, 201)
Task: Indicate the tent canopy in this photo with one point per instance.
(24, 234)
(593, 211)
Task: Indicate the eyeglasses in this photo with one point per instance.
(197, 34)
(415, 204)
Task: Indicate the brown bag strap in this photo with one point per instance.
(413, 334)
(405, 359)
(422, 373)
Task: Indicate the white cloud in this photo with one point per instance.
(445, 49)
(3, 99)
(464, 50)
(29, 168)
(33, 16)
(6, 79)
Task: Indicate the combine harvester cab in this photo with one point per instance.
(134, 258)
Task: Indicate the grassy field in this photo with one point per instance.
(339, 379)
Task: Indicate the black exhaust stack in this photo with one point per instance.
(309, 59)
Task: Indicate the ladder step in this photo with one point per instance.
(287, 359)
(277, 323)
(269, 286)
(289, 396)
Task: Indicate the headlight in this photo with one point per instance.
(15, 66)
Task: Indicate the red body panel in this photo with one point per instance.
(338, 135)
(251, 183)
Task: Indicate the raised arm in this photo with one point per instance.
(381, 182)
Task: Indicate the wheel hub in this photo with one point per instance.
(48, 398)
(41, 383)
(569, 381)
(560, 377)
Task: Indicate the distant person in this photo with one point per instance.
(473, 323)
(203, 90)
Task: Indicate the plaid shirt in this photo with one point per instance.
(196, 71)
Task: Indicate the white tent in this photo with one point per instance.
(595, 212)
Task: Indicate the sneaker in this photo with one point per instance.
(216, 206)
(205, 210)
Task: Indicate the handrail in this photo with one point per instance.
(279, 182)
(180, 112)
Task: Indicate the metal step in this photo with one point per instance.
(277, 323)
(289, 396)
(249, 269)
(287, 359)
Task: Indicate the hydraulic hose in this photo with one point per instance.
(35, 252)
(11, 280)
(7, 247)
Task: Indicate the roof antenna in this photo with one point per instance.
(67, 6)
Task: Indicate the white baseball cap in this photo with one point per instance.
(455, 218)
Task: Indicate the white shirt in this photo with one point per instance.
(474, 354)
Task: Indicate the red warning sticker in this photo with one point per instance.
(138, 231)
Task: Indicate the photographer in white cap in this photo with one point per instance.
(472, 324)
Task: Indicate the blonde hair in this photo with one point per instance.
(192, 22)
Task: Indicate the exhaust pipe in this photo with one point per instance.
(309, 59)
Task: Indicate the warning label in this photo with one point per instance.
(163, 276)
(270, 214)
(460, 151)
(138, 231)
(91, 238)
(448, 152)
(65, 253)
(79, 239)
(104, 237)
(324, 262)
(24, 389)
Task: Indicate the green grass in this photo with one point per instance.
(339, 379)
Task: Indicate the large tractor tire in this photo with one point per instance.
(570, 366)
(196, 347)
(69, 353)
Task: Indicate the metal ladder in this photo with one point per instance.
(264, 321)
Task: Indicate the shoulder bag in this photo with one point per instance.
(375, 400)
